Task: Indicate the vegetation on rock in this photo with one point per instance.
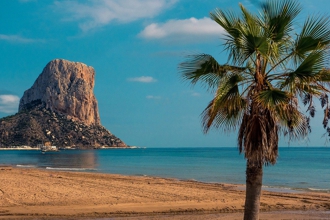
(38, 125)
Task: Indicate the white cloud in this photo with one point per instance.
(97, 13)
(18, 39)
(143, 79)
(9, 103)
(153, 97)
(188, 28)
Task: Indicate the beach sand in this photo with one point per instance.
(42, 194)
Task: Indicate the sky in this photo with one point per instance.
(135, 47)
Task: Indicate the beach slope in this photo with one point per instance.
(30, 193)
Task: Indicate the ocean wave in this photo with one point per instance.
(139, 174)
(292, 189)
(319, 190)
(282, 189)
(70, 169)
(27, 165)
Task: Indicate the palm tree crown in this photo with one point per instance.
(271, 69)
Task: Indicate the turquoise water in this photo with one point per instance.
(297, 168)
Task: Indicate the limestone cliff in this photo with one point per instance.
(59, 108)
(65, 87)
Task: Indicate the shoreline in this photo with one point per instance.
(239, 186)
(20, 148)
(101, 148)
(33, 192)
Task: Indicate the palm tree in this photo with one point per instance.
(270, 71)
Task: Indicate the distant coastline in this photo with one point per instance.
(20, 148)
(66, 148)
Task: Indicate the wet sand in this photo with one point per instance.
(42, 194)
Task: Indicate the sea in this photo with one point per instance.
(297, 168)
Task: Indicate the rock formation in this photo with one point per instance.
(67, 88)
(59, 108)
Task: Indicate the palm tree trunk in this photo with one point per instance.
(253, 190)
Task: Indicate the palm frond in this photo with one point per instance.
(250, 23)
(323, 79)
(279, 17)
(228, 117)
(251, 44)
(307, 73)
(226, 107)
(252, 38)
(205, 69)
(230, 22)
(292, 121)
(244, 36)
(323, 75)
(272, 98)
(315, 35)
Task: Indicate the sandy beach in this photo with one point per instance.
(42, 194)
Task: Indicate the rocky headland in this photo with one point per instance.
(60, 108)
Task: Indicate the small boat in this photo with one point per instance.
(44, 148)
(47, 146)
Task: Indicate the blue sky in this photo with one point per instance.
(135, 47)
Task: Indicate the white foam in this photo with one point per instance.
(313, 189)
(20, 165)
(70, 169)
(281, 189)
